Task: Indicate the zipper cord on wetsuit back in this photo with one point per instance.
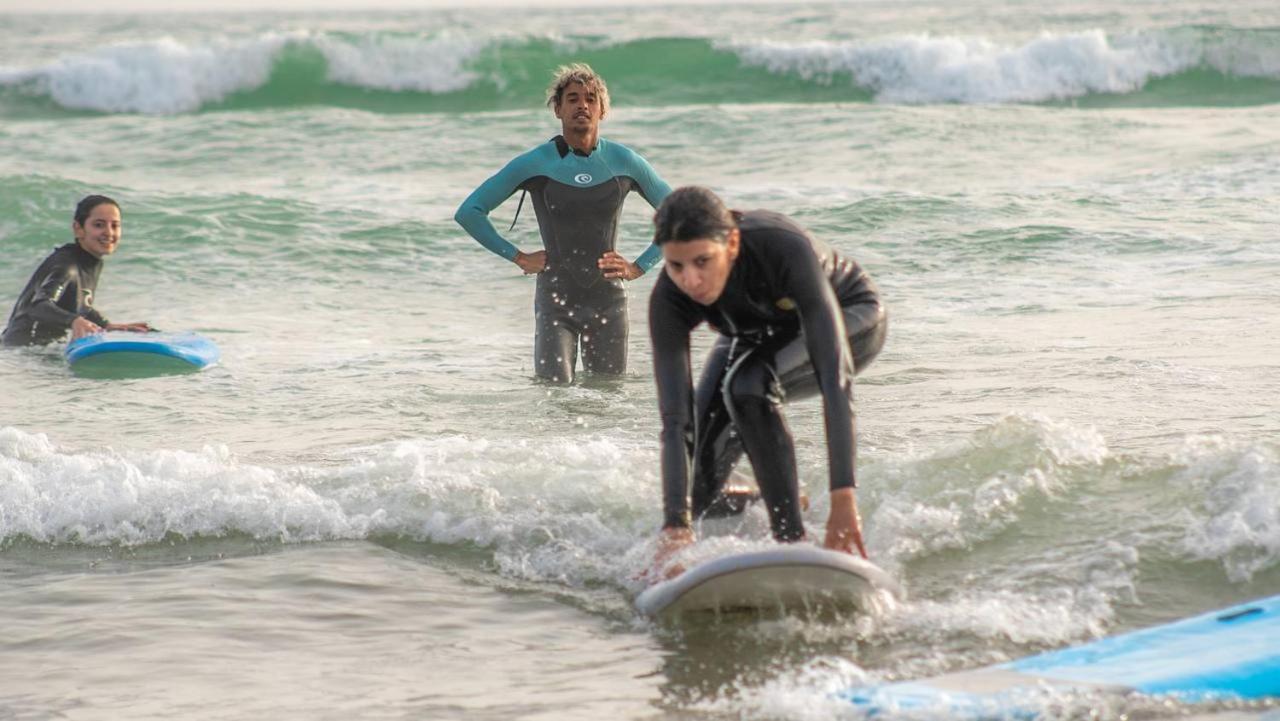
(518, 207)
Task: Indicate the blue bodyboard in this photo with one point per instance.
(1227, 655)
(123, 354)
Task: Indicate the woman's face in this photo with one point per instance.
(100, 233)
(700, 268)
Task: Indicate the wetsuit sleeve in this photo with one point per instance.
(93, 315)
(44, 304)
(473, 214)
(669, 331)
(823, 325)
(653, 188)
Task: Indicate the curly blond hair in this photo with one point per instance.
(577, 73)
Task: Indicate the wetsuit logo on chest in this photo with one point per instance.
(582, 178)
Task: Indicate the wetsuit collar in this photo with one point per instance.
(84, 257)
(563, 147)
(733, 284)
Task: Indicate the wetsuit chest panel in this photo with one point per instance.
(578, 224)
(758, 300)
(753, 305)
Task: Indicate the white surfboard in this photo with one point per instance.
(786, 578)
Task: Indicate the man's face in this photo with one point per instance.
(100, 233)
(579, 108)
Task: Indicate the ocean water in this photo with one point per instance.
(371, 510)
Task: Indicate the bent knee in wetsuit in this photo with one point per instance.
(740, 401)
(866, 326)
(716, 448)
(753, 398)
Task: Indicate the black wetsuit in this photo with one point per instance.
(796, 319)
(578, 199)
(59, 291)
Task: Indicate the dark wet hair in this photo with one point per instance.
(692, 213)
(88, 203)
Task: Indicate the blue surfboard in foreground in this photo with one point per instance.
(1231, 654)
(122, 354)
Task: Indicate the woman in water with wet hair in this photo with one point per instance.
(59, 296)
(795, 319)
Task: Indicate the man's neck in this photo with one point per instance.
(583, 141)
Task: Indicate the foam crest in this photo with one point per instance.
(431, 71)
(106, 498)
(929, 69)
(1047, 618)
(549, 512)
(976, 627)
(965, 631)
(811, 692)
(1239, 523)
(429, 65)
(967, 493)
(166, 76)
(161, 76)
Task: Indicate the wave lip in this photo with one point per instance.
(427, 65)
(167, 77)
(1239, 522)
(576, 525)
(450, 71)
(161, 76)
(967, 494)
(919, 69)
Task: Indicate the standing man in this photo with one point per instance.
(578, 182)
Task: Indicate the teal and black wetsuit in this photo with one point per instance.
(796, 319)
(578, 200)
(59, 291)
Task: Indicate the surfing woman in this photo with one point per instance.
(59, 296)
(795, 319)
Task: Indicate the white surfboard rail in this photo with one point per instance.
(786, 576)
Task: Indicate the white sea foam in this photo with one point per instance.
(156, 77)
(575, 525)
(430, 65)
(819, 689)
(106, 497)
(167, 76)
(1047, 618)
(1238, 524)
(810, 692)
(931, 69)
(967, 493)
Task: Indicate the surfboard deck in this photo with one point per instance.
(1229, 654)
(123, 354)
(783, 578)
